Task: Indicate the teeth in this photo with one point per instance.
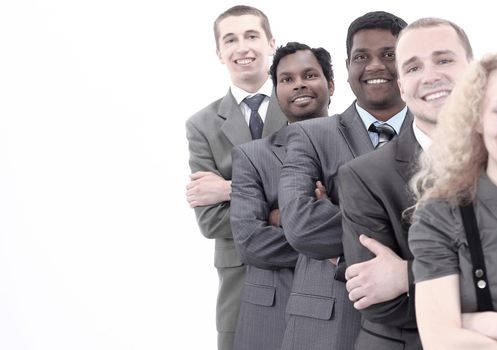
(376, 81)
(244, 60)
(436, 95)
(302, 99)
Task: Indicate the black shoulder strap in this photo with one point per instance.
(479, 271)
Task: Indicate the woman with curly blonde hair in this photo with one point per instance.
(459, 168)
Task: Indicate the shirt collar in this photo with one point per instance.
(423, 139)
(240, 94)
(394, 121)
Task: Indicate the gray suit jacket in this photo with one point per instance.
(262, 247)
(323, 316)
(373, 194)
(212, 133)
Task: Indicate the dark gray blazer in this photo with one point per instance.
(373, 194)
(262, 247)
(321, 315)
(212, 133)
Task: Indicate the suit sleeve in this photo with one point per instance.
(364, 213)
(312, 226)
(258, 243)
(213, 220)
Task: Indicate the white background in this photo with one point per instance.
(98, 248)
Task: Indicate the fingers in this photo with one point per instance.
(373, 245)
(199, 174)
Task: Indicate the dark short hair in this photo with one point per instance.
(429, 22)
(321, 55)
(241, 10)
(374, 20)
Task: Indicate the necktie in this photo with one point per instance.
(385, 133)
(255, 123)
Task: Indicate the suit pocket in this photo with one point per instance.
(310, 306)
(258, 295)
(370, 340)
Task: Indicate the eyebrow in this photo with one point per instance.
(250, 31)
(304, 71)
(363, 49)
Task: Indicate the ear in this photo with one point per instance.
(272, 45)
(347, 64)
(219, 56)
(331, 87)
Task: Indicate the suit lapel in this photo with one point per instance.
(278, 143)
(407, 152)
(353, 130)
(275, 119)
(234, 127)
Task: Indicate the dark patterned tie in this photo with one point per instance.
(385, 133)
(255, 123)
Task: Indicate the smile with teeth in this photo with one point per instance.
(436, 95)
(302, 99)
(376, 81)
(244, 61)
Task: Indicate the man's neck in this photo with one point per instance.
(251, 86)
(385, 114)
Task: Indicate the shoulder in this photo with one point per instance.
(316, 126)
(380, 160)
(437, 211)
(206, 114)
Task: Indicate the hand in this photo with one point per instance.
(380, 279)
(481, 322)
(274, 218)
(207, 188)
(320, 191)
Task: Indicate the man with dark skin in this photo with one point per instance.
(303, 78)
(321, 316)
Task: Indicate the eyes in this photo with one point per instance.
(230, 40)
(417, 66)
(365, 57)
(307, 76)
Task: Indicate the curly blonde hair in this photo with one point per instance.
(450, 168)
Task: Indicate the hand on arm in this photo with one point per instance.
(441, 325)
(481, 322)
(207, 188)
(380, 279)
(321, 193)
(274, 218)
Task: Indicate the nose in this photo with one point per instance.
(299, 84)
(375, 64)
(431, 74)
(242, 46)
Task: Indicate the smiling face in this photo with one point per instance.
(372, 72)
(303, 91)
(430, 61)
(245, 50)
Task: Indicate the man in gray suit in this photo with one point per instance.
(321, 316)
(431, 54)
(303, 79)
(244, 44)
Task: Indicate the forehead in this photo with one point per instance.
(299, 61)
(239, 24)
(422, 43)
(372, 39)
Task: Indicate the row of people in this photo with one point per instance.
(291, 211)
